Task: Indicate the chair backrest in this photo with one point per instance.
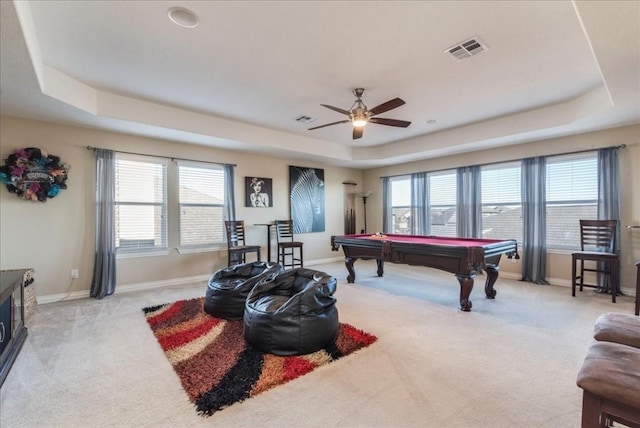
(235, 232)
(284, 230)
(598, 235)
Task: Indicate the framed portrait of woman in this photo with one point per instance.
(258, 191)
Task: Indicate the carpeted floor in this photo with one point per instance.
(509, 363)
(216, 366)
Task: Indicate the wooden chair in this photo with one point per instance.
(598, 245)
(236, 248)
(287, 246)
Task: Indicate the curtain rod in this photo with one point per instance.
(622, 146)
(163, 157)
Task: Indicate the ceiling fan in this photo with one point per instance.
(360, 115)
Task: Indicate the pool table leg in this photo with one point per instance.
(492, 276)
(466, 285)
(380, 267)
(348, 262)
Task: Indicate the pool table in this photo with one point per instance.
(464, 257)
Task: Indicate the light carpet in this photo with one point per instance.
(509, 363)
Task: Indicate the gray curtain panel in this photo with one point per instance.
(230, 203)
(420, 224)
(469, 202)
(387, 215)
(534, 219)
(104, 267)
(609, 187)
(609, 199)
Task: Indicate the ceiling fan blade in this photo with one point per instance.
(357, 132)
(339, 110)
(329, 124)
(389, 105)
(390, 122)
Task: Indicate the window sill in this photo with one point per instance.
(138, 254)
(564, 251)
(194, 250)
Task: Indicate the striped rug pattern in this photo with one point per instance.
(218, 368)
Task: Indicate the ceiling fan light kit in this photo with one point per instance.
(360, 115)
(360, 118)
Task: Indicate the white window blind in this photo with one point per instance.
(401, 204)
(571, 194)
(140, 203)
(442, 202)
(202, 204)
(501, 201)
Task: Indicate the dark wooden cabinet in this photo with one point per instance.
(13, 331)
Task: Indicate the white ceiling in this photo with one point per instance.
(240, 78)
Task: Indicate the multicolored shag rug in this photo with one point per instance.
(218, 368)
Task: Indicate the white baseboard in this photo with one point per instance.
(127, 288)
(53, 298)
(124, 288)
(562, 282)
(324, 261)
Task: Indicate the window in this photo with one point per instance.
(160, 204)
(202, 204)
(442, 203)
(401, 204)
(501, 201)
(571, 194)
(140, 204)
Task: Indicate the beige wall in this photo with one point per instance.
(58, 235)
(558, 264)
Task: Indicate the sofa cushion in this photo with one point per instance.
(618, 328)
(612, 371)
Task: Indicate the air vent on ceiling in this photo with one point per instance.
(467, 49)
(304, 119)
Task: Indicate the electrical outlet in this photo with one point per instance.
(74, 273)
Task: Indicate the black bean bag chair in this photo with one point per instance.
(293, 313)
(228, 288)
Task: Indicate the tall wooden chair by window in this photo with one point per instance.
(598, 250)
(287, 247)
(236, 248)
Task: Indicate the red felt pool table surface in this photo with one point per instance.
(430, 240)
(464, 257)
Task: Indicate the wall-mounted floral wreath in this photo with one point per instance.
(34, 175)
